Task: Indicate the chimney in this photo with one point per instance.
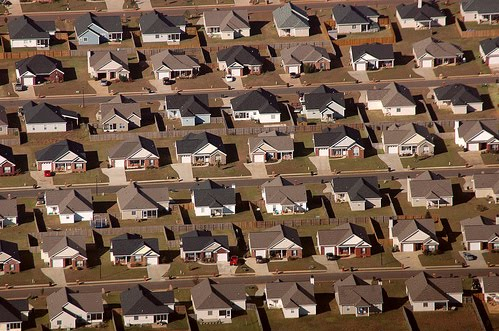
(497, 219)
(420, 3)
(390, 228)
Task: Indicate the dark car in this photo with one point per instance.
(469, 256)
(332, 257)
(19, 87)
(167, 81)
(261, 259)
(294, 75)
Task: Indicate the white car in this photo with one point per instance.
(230, 78)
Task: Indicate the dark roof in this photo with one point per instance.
(214, 196)
(358, 188)
(57, 150)
(480, 6)
(241, 54)
(292, 295)
(156, 22)
(46, 113)
(189, 105)
(322, 96)
(339, 234)
(271, 236)
(197, 240)
(458, 94)
(108, 23)
(129, 147)
(334, 135)
(346, 14)
(38, 65)
(489, 45)
(423, 287)
(209, 295)
(127, 244)
(260, 99)
(140, 300)
(10, 248)
(379, 51)
(192, 142)
(88, 302)
(6, 152)
(425, 13)
(24, 27)
(9, 312)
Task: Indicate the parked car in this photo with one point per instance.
(167, 81)
(229, 78)
(104, 82)
(261, 259)
(19, 87)
(234, 260)
(469, 256)
(294, 75)
(332, 257)
(47, 173)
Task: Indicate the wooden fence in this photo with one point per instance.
(489, 33)
(5, 44)
(12, 138)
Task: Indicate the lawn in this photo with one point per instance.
(205, 81)
(8, 75)
(491, 258)
(464, 318)
(488, 158)
(268, 78)
(239, 216)
(369, 163)
(376, 115)
(247, 321)
(297, 165)
(175, 3)
(397, 72)
(63, 6)
(244, 269)
(303, 264)
(93, 176)
(17, 181)
(30, 271)
(380, 260)
(335, 75)
(445, 258)
(165, 172)
(444, 158)
(179, 268)
(343, 210)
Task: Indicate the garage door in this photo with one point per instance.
(328, 250)
(222, 257)
(152, 260)
(47, 166)
(186, 159)
(28, 81)
(294, 70)
(393, 150)
(407, 247)
(475, 246)
(361, 66)
(162, 75)
(259, 158)
(119, 163)
(474, 147)
(261, 252)
(323, 152)
(236, 72)
(57, 263)
(427, 63)
(493, 60)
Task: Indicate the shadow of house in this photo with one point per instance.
(137, 69)
(231, 151)
(395, 201)
(21, 161)
(24, 216)
(103, 206)
(402, 59)
(460, 196)
(396, 31)
(469, 56)
(92, 160)
(40, 223)
(487, 102)
(439, 145)
(27, 260)
(301, 150)
(167, 256)
(324, 302)
(14, 120)
(308, 246)
(4, 77)
(164, 156)
(160, 123)
(69, 74)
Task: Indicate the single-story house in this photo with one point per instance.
(460, 98)
(393, 100)
(136, 153)
(371, 57)
(137, 202)
(71, 205)
(169, 65)
(142, 306)
(277, 242)
(200, 149)
(361, 193)
(10, 260)
(64, 251)
(291, 21)
(213, 200)
(431, 53)
(477, 135)
(190, 109)
(419, 15)
(156, 27)
(120, 114)
(282, 197)
(490, 288)
(304, 58)
(203, 246)
(4, 122)
(7, 161)
(356, 296)
(407, 140)
(323, 103)
(479, 11)
(14, 312)
(111, 65)
(429, 190)
(133, 250)
(258, 105)
(294, 298)
(270, 146)
(44, 117)
(39, 69)
(354, 19)
(344, 240)
(427, 293)
(91, 29)
(486, 186)
(8, 212)
(226, 24)
(480, 233)
(239, 61)
(63, 156)
(489, 51)
(27, 32)
(413, 235)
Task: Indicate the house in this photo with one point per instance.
(489, 52)
(203, 246)
(407, 140)
(371, 57)
(133, 250)
(4, 122)
(120, 114)
(323, 103)
(7, 161)
(64, 251)
(169, 65)
(63, 156)
(257, 105)
(226, 24)
(8, 212)
(294, 298)
(479, 11)
(156, 27)
(44, 117)
(27, 32)
(136, 153)
(490, 288)
(344, 240)
(91, 29)
(137, 202)
(270, 146)
(355, 296)
(10, 261)
(283, 197)
(477, 135)
(413, 235)
(352, 19)
(304, 58)
(239, 61)
(480, 233)
(361, 193)
(39, 69)
(110, 65)
(429, 294)
(13, 313)
(393, 100)
(419, 15)
(200, 149)
(429, 190)
(338, 142)
(291, 21)
(142, 306)
(190, 109)
(486, 186)
(71, 205)
(214, 302)
(431, 53)
(277, 242)
(70, 309)
(213, 200)
(460, 98)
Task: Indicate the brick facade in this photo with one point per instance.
(6, 165)
(7, 267)
(358, 252)
(73, 168)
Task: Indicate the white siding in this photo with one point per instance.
(48, 127)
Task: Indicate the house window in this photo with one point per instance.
(157, 36)
(79, 166)
(85, 39)
(12, 266)
(272, 117)
(354, 27)
(425, 304)
(355, 151)
(135, 318)
(59, 322)
(7, 170)
(210, 313)
(398, 110)
(151, 162)
(202, 209)
(134, 213)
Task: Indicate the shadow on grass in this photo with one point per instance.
(301, 150)
(308, 246)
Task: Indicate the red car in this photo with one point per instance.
(47, 173)
(234, 260)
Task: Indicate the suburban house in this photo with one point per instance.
(64, 251)
(413, 235)
(393, 100)
(70, 309)
(133, 250)
(63, 156)
(202, 245)
(120, 114)
(169, 65)
(142, 306)
(356, 296)
(91, 29)
(190, 109)
(407, 140)
(341, 141)
(7, 161)
(490, 287)
(44, 117)
(344, 240)
(352, 19)
(26, 32)
(431, 53)
(427, 293)
(361, 193)
(429, 190)
(137, 202)
(71, 205)
(14, 312)
(214, 302)
(200, 149)
(239, 61)
(110, 65)
(477, 135)
(371, 57)
(282, 197)
(4, 122)
(8, 212)
(480, 233)
(136, 153)
(486, 186)
(305, 58)
(39, 69)
(489, 51)
(226, 24)
(270, 146)
(294, 298)
(460, 98)
(291, 21)
(479, 11)
(419, 15)
(10, 261)
(323, 103)
(258, 105)
(213, 200)
(278, 242)
(156, 27)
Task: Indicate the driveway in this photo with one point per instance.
(361, 76)
(159, 86)
(392, 161)
(261, 269)
(331, 266)
(184, 171)
(15, 8)
(56, 274)
(479, 263)
(41, 181)
(29, 93)
(410, 260)
(225, 269)
(322, 164)
(99, 89)
(156, 272)
(237, 84)
(291, 81)
(472, 158)
(116, 176)
(257, 169)
(426, 73)
(143, 4)
(114, 5)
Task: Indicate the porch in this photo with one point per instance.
(290, 209)
(279, 254)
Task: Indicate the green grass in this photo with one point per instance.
(244, 269)
(16, 181)
(335, 75)
(178, 268)
(491, 258)
(343, 210)
(247, 321)
(448, 158)
(90, 176)
(165, 172)
(269, 78)
(397, 72)
(445, 258)
(368, 163)
(380, 260)
(296, 165)
(488, 158)
(33, 275)
(174, 3)
(304, 264)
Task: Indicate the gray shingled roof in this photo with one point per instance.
(173, 61)
(358, 188)
(487, 181)
(392, 95)
(9, 312)
(156, 22)
(38, 65)
(378, 51)
(334, 135)
(188, 105)
(282, 192)
(129, 147)
(54, 244)
(195, 241)
(3, 116)
(458, 94)
(138, 300)
(8, 207)
(99, 59)
(292, 294)
(423, 287)
(24, 27)
(490, 284)
(46, 113)
(423, 14)
(353, 291)
(126, 244)
(88, 302)
(123, 110)
(426, 185)
(339, 234)
(59, 149)
(290, 16)
(244, 55)
(479, 228)
(303, 53)
(70, 201)
(6, 152)
(9, 248)
(469, 129)
(404, 228)
(481, 6)
(435, 48)
(213, 195)
(262, 100)
(272, 236)
(322, 96)
(346, 14)
(134, 196)
(227, 20)
(489, 45)
(193, 142)
(399, 134)
(209, 295)
(279, 142)
(107, 23)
